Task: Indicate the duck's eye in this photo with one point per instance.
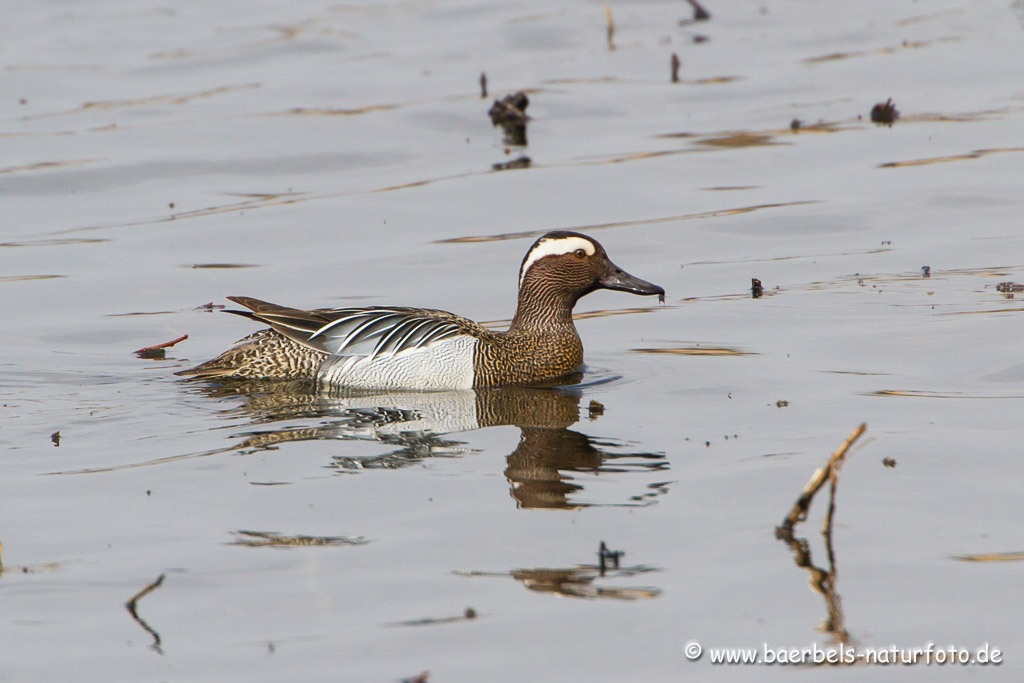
(580, 253)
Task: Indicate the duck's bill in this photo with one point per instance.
(617, 278)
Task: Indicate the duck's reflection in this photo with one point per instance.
(418, 425)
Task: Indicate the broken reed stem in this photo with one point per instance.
(799, 511)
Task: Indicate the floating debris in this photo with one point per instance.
(1009, 287)
(483, 86)
(991, 557)
(261, 539)
(209, 307)
(781, 403)
(697, 350)
(522, 161)
(889, 462)
(675, 67)
(595, 410)
(756, 290)
(157, 352)
(510, 113)
(884, 112)
(468, 615)
(510, 109)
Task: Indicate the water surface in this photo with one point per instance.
(156, 159)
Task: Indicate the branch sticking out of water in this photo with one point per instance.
(133, 603)
(157, 351)
(829, 472)
(611, 26)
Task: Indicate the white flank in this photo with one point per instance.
(447, 364)
(555, 247)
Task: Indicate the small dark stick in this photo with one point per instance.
(605, 556)
(483, 86)
(611, 26)
(699, 13)
(675, 67)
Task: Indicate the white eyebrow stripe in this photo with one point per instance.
(555, 247)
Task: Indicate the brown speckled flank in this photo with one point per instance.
(263, 355)
(393, 347)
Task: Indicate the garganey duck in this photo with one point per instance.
(390, 347)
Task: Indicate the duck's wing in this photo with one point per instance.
(369, 331)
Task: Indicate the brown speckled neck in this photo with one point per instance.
(541, 343)
(543, 305)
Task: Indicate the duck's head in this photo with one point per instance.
(573, 265)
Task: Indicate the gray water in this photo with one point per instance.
(156, 158)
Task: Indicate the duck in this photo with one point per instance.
(393, 347)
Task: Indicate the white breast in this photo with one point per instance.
(447, 364)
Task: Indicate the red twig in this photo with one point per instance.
(150, 349)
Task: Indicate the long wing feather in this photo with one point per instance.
(370, 332)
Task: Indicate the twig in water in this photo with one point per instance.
(824, 582)
(675, 67)
(830, 471)
(133, 603)
(149, 351)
